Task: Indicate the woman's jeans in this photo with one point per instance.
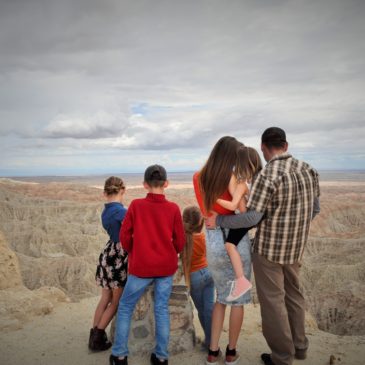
(202, 293)
(133, 290)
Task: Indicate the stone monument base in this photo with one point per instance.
(142, 331)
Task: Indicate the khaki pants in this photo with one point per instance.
(282, 308)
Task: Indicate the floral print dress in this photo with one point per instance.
(111, 271)
(112, 268)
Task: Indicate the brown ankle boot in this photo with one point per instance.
(100, 340)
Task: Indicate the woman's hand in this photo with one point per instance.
(210, 221)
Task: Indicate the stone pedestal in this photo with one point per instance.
(182, 332)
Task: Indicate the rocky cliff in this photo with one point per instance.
(54, 236)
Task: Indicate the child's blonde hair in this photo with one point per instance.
(193, 223)
(248, 163)
(113, 185)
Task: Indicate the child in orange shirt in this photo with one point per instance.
(197, 276)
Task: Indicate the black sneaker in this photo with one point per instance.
(232, 357)
(113, 360)
(266, 358)
(156, 361)
(213, 357)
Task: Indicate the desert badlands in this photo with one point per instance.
(50, 237)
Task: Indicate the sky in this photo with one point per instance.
(90, 86)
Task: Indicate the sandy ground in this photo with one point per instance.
(61, 338)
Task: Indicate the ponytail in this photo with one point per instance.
(193, 223)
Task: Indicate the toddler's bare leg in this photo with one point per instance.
(235, 258)
(241, 284)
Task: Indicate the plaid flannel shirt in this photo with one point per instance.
(284, 192)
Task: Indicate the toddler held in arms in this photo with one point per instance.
(248, 165)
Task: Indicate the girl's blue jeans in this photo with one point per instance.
(202, 293)
(132, 292)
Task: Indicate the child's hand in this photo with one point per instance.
(210, 221)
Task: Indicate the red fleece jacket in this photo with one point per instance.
(152, 233)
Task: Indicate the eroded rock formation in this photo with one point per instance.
(54, 237)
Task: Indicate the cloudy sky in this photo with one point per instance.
(111, 86)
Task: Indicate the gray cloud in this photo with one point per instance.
(100, 125)
(72, 73)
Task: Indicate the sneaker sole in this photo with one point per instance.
(215, 362)
(232, 299)
(212, 363)
(235, 362)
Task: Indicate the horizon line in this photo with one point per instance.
(142, 172)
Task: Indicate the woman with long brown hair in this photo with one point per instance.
(211, 183)
(197, 276)
(247, 167)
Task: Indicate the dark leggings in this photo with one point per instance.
(235, 235)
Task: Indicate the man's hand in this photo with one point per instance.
(210, 221)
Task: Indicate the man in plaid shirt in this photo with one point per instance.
(283, 200)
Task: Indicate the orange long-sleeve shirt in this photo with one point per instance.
(199, 255)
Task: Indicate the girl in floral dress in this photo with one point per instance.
(111, 272)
